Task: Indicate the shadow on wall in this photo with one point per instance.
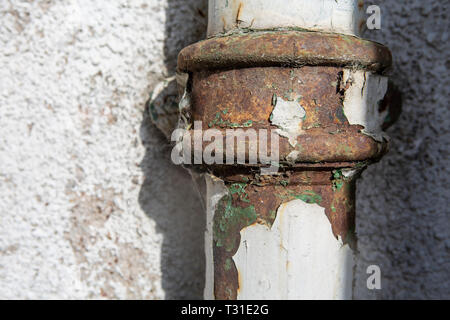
(168, 195)
(402, 201)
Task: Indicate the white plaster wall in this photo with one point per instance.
(90, 205)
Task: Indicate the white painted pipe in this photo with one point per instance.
(339, 16)
(297, 257)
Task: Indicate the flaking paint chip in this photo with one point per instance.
(288, 116)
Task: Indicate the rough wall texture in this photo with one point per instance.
(403, 201)
(91, 206)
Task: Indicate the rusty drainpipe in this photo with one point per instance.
(289, 235)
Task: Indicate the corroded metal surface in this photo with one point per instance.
(244, 98)
(237, 82)
(256, 201)
(314, 146)
(284, 48)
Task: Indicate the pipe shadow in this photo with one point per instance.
(168, 195)
(402, 214)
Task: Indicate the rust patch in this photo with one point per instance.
(224, 24)
(244, 98)
(284, 48)
(314, 148)
(238, 15)
(360, 4)
(232, 98)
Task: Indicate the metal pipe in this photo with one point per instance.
(324, 95)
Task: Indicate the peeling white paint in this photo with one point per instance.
(350, 173)
(288, 116)
(362, 99)
(182, 80)
(297, 258)
(216, 190)
(343, 16)
(293, 155)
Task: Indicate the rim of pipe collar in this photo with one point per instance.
(285, 49)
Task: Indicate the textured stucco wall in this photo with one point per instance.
(90, 205)
(403, 202)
